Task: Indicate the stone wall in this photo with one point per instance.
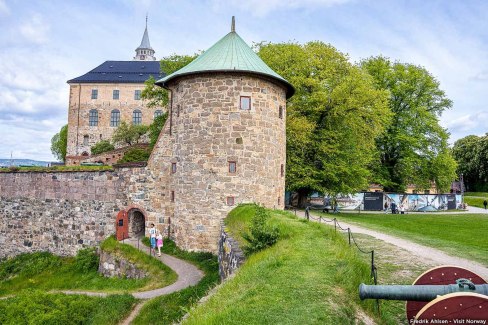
(231, 256)
(116, 266)
(207, 130)
(64, 211)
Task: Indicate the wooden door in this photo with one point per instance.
(122, 225)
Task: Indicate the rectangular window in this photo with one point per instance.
(85, 140)
(115, 118)
(232, 167)
(230, 200)
(93, 118)
(137, 95)
(173, 168)
(281, 112)
(94, 94)
(136, 117)
(172, 196)
(115, 94)
(245, 102)
(282, 170)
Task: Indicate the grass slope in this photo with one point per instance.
(171, 308)
(462, 235)
(36, 307)
(310, 276)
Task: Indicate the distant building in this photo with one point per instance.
(107, 95)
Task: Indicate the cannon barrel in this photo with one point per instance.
(415, 292)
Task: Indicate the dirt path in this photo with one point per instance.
(427, 254)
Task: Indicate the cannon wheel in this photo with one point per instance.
(455, 306)
(445, 274)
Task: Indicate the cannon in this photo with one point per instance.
(443, 294)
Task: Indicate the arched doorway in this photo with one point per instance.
(136, 223)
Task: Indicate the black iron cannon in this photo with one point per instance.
(445, 293)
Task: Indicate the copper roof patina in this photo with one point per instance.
(230, 54)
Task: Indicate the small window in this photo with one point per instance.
(245, 102)
(85, 140)
(115, 94)
(158, 113)
(281, 112)
(178, 110)
(121, 222)
(137, 117)
(282, 170)
(230, 200)
(137, 95)
(173, 168)
(93, 117)
(427, 192)
(115, 118)
(232, 167)
(172, 196)
(94, 94)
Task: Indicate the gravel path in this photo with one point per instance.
(426, 253)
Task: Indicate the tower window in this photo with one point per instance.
(115, 94)
(158, 113)
(115, 118)
(245, 103)
(230, 200)
(93, 117)
(281, 112)
(136, 117)
(178, 110)
(94, 94)
(173, 168)
(137, 95)
(172, 197)
(232, 167)
(282, 170)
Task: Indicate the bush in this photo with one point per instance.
(86, 260)
(156, 127)
(135, 154)
(101, 147)
(261, 235)
(28, 264)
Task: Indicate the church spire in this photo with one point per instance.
(145, 52)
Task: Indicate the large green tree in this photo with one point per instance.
(59, 143)
(414, 148)
(332, 120)
(128, 134)
(471, 154)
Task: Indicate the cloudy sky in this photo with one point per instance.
(45, 43)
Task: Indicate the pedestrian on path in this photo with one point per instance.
(485, 203)
(152, 236)
(159, 242)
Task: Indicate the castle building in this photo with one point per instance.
(107, 95)
(224, 142)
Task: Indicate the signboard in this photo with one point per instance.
(373, 201)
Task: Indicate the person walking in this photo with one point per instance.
(485, 203)
(159, 242)
(152, 237)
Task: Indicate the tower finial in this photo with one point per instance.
(146, 20)
(233, 26)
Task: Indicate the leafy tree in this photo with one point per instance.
(158, 96)
(471, 154)
(128, 134)
(332, 120)
(414, 147)
(101, 147)
(59, 143)
(135, 154)
(155, 128)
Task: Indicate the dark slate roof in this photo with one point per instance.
(121, 72)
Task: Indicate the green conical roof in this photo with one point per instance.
(230, 54)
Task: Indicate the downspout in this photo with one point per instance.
(170, 112)
(78, 122)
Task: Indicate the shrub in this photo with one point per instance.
(101, 147)
(260, 235)
(156, 127)
(86, 260)
(128, 133)
(27, 264)
(135, 154)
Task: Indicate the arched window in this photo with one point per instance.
(158, 113)
(137, 117)
(93, 119)
(115, 118)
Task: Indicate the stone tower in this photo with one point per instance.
(223, 143)
(145, 52)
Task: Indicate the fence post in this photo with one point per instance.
(307, 214)
(373, 268)
(320, 219)
(335, 225)
(295, 210)
(349, 233)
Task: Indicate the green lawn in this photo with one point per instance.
(474, 201)
(310, 276)
(36, 307)
(463, 235)
(45, 271)
(478, 194)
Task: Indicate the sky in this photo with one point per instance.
(44, 43)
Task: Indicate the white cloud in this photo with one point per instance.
(35, 30)
(468, 123)
(4, 9)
